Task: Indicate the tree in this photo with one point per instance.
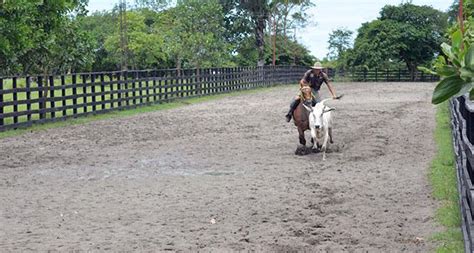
(193, 34)
(32, 38)
(273, 12)
(453, 11)
(292, 54)
(99, 26)
(407, 33)
(456, 64)
(145, 49)
(258, 11)
(156, 5)
(339, 41)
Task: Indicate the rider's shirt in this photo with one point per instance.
(315, 80)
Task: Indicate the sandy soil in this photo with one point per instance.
(222, 176)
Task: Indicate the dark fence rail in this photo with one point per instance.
(380, 75)
(36, 99)
(462, 120)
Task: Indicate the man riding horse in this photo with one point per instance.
(313, 78)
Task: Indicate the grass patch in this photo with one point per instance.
(138, 110)
(444, 183)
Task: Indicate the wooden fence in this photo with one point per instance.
(37, 99)
(380, 75)
(462, 120)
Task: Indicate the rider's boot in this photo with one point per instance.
(293, 106)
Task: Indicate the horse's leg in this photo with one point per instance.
(302, 139)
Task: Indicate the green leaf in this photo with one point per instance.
(456, 62)
(447, 50)
(469, 58)
(466, 87)
(446, 70)
(441, 60)
(427, 70)
(457, 39)
(471, 94)
(447, 88)
(466, 74)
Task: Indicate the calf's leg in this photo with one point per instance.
(330, 136)
(325, 142)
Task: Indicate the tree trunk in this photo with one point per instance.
(285, 18)
(412, 69)
(178, 66)
(260, 41)
(46, 84)
(274, 41)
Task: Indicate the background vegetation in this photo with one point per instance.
(45, 36)
(51, 37)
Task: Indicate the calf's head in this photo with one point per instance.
(317, 113)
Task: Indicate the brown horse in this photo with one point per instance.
(301, 116)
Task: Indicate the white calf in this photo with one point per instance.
(320, 124)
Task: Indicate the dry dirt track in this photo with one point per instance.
(158, 181)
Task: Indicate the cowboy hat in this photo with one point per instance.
(317, 65)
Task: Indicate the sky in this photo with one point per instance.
(327, 15)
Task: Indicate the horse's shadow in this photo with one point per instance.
(302, 150)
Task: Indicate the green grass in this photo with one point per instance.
(124, 113)
(443, 180)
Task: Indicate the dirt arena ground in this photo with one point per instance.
(222, 176)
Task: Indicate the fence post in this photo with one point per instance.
(63, 94)
(124, 87)
(102, 90)
(52, 104)
(93, 92)
(1, 101)
(15, 99)
(42, 103)
(376, 74)
(119, 90)
(74, 94)
(28, 97)
(399, 75)
(84, 93)
(197, 80)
